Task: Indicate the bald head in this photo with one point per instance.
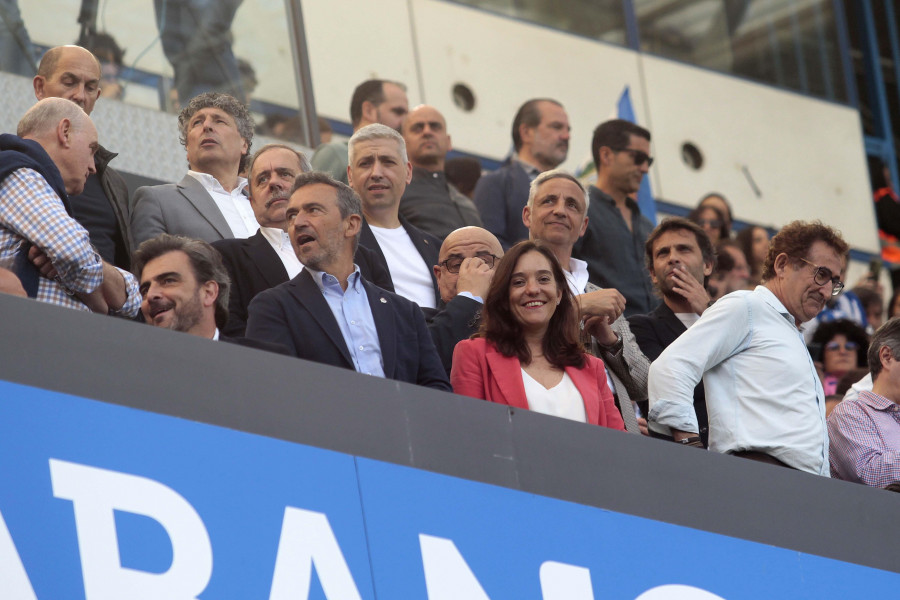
(427, 140)
(69, 72)
(67, 134)
(463, 243)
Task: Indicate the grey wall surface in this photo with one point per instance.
(175, 374)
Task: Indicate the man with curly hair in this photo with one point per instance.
(763, 394)
(210, 203)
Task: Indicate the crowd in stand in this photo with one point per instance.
(535, 292)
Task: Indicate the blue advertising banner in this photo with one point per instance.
(100, 501)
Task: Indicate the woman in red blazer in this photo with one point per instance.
(527, 353)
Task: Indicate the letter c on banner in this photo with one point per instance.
(678, 592)
(95, 493)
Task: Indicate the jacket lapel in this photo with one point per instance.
(507, 374)
(203, 203)
(383, 313)
(587, 387)
(309, 297)
(264, 258)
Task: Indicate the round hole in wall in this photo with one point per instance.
(463, 97)
(691, 156)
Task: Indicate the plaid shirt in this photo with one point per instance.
(865, 440)
(30, 211)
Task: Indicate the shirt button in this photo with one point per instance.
(362, 347)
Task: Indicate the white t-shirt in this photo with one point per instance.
(410, 274)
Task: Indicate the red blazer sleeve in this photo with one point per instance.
(609, 414)
(467, 375)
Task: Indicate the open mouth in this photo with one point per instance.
(304, 239)
(158, 310)
(208, 142)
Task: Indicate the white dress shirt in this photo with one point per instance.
(281, 244)
(762, 389)
(233, 205)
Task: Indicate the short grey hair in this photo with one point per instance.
(887, 335)
(305, 165)
(46, 115)
(226, 103)
(377, 131)
(555, 174)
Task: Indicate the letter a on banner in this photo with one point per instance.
(13, 579)
(96, 493)
(447, 575)
(308, 541)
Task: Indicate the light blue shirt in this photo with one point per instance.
(354, 316)
(762, 389)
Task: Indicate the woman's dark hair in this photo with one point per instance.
(891, 313)
(825, 332)
(561, 346)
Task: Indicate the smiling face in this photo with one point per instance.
(840, 355)
(213, 142)
(76, 77)
(533, 293)
(795, 285)
(271, 178)
(677, 249)
(172, 297)
(378, 173)
(557, 214)
(321, 239)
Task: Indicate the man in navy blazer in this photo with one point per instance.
(329, 313)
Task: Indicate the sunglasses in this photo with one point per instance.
(833, 346)
(638, 156)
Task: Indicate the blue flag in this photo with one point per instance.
(645, 195)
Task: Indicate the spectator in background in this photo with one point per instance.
(763, 394)
(209, 203)
(16, 51)
(864, 433)
(838, 347)
(528, 354)
(731, 272)
(325, 132)
(754, 241)
(464, 173)
(373, 101)
(712, 221)
(196, 39)
(540, 134)
(718, 201)
(873, 304)
(613, 244)
(105, 48)
(103, 208)
(248, 79)
(430, 202)
(887, 215)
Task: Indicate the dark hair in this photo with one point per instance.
(730, 213)
(846, 382)
(887, 335)
(371, 90)
(867, 296)
(891, 313)
(694, 217)
(744, 240)
(206, 263)
(348, 200)
(724, 261)
(615, 133)
(529, 114)
(224, 102)
(826, 332)
(104, 47)
(796, 238)
(305, 166)
(463, 172)
(678, 223)
(562, 347)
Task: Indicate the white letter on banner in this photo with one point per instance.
(678, 592)
(560, 581)
(308, 541)
(13, 578)
(95, 494)
(447, 576)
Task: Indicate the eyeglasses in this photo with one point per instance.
(453, 263)
(822, 275)
(638, 156)
(850, 346)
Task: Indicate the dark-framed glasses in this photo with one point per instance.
(638, 156)
(453, 263)
(823, 275)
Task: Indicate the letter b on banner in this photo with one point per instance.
(95, 494)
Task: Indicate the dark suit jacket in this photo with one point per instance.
(500, 197)
(654, 332)
(427, 245)
(451, 323)
(296, 314)
(254, 266)
(183, 208)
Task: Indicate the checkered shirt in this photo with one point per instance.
(864, 436)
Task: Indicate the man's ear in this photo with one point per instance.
(526, 216)
(63, 129)
(352, 225)
(210, 293)
(781, 263)
(369, 112)
(707, 269)
(38, 84)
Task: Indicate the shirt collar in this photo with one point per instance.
(877, 401)
(277, 237)
(532, 170)
(324, 279)
(773, 301)
(211, 184)
(577, 275)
